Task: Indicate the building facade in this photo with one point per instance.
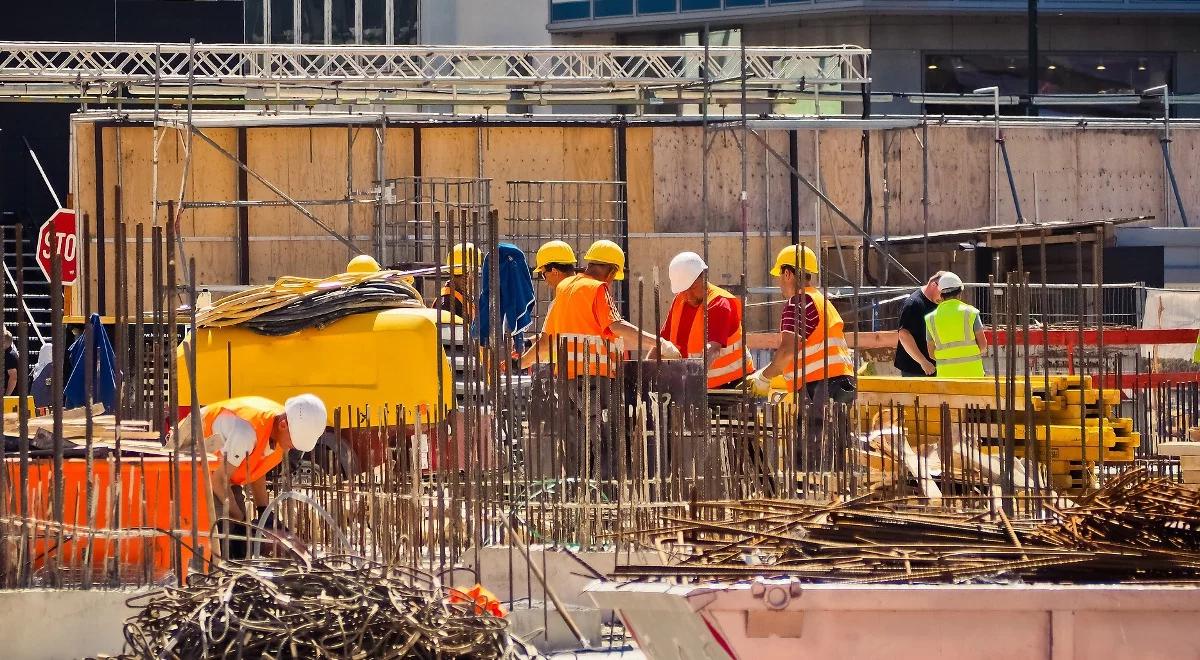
(1108, 47)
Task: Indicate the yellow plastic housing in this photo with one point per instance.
(375, 359)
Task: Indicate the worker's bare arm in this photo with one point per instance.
(981, 342)
(789, 344)
(224, 494)
(538, 352)
(633, 337)
(10, 382)
(258, 491)
(910, 346)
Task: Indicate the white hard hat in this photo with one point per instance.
(306, 420)
(684, 269)
(949, 282)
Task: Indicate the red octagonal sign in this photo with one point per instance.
(57, 236)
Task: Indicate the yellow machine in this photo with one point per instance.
(373, 360)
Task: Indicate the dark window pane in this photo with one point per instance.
(744, 3)
(613, 8)
(570, 10)
(281, 21)
(691, 5)
(404, 12)
(786, 2)
(1058, 73)
(312, 21)
(254, 21)
(656, 6)
(374, 22)
(343, 22)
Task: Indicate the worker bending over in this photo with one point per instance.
(812, 357)
(585, 334)
(251, 436)
(912, 350)
(458, 294)
(956, 333)
(728, 363)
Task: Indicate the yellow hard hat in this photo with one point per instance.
(463, 256)
(607, 252)
(795, 255)
(363, 263)
(554, 252)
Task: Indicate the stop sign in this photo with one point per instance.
(57, 236)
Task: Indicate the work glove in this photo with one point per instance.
(758, 384)
(668, 351)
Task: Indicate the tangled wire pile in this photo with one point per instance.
(1135, 529)
(292, 304)
(339, 607)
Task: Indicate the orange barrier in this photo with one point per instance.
(145, 504)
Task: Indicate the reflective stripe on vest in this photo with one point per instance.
(463, 310)
(260, 413)
(820, 358)
(726, 365)
(580, 344)
(951, 329)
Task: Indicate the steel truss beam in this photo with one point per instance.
(395, 67)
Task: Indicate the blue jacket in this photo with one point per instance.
(516, 294)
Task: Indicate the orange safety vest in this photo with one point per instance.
(726, 366)
(261, 414)
(468, 311)
(813, 362)
(586, 347)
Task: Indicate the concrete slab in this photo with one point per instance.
(55, 624)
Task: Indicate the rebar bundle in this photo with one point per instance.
(1135, 529)
(337, 607)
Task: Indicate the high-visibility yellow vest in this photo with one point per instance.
(727, 365)
(1196, 353)
(951, 329)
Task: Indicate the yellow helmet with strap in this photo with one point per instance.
(554, 252)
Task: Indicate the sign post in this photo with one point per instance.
(58, 235)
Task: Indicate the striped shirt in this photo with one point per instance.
(788, 320)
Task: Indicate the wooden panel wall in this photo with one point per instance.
(1080, 174)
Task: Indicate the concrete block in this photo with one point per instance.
(544, 627)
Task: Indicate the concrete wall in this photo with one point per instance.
(59, 624)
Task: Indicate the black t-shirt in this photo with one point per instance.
(912, 318)
(10, 362)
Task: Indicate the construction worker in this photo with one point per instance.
(251, 436)
(812, 356)
(912, 351)
(585, 326)
(555, 262)
(955, 332)
(728, 363)
(457, 295)
(1196, 353)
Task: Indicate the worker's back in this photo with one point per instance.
(575, 322)
(951, 329)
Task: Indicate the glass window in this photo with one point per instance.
(343, 22)
(570, 10)
(312, 21)
(254, 22)
(744, 3)
(655, 6)
(1058, 73)
(281, 21)
(404, 13)
(374, 21)
(613, 8)
(693, 5)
